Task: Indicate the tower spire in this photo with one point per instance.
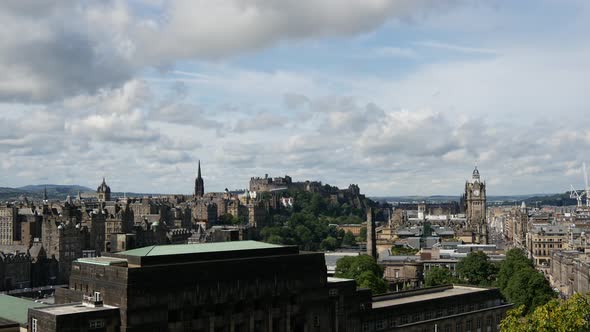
(199, 186)
(45, 194)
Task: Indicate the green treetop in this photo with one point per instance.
(364, 270)
(477, 269)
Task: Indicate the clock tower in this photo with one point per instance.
(475, 208)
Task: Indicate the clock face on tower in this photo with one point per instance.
(476, 192)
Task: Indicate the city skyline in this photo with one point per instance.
(400, 97)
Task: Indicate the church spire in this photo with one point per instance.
(199, 186)
(45, 194)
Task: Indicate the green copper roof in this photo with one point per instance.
(179, 249)
(105, 261)
(16, 309)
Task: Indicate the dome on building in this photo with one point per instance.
(103, 188)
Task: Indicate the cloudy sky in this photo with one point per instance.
(399, 96)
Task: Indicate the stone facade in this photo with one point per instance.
(9, 227)
(475, 208)
(15, 270)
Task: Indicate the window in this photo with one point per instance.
(478, 323)
(380, 324)
(459, 327)
(428, 315)
(316, 321)
(96, 324)
(173, 316)
(468, 325)
(365, 327)
(333, 292)
(404, 319)
(392, 322)
(34, 325)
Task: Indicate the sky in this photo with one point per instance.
(402, 97)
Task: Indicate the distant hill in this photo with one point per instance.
(530, 200)
(58, 192)
(54, 191)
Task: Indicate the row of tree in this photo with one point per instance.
(516, 277)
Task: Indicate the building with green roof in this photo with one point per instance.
(14, 310)
(196, 286)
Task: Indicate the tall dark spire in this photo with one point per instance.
(45, 194)
(199, 186)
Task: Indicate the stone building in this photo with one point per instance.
(561, 272)
(15, 270)
(9, 226)
(205, 211)
(257, 214)
(542, 241)
(89, 315)
(63, 241)
(44, 270)
(445, 308)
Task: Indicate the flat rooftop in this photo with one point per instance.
(425, 296)
(73, 308)
(197, 253)
(103, 260)
(336, 280)
(16, 309)
(197, 248)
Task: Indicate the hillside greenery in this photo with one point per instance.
(311, 223)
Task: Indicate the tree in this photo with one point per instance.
(529, 288)
(329, 244)
(556, 315)
(515, 260)
(364, 270)
(375, 283)
(403, 251)
(275, 239)
(349, 239)
(477, 269)
(363, 234)
(521, 284)
(438, 276)
(227, 219)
